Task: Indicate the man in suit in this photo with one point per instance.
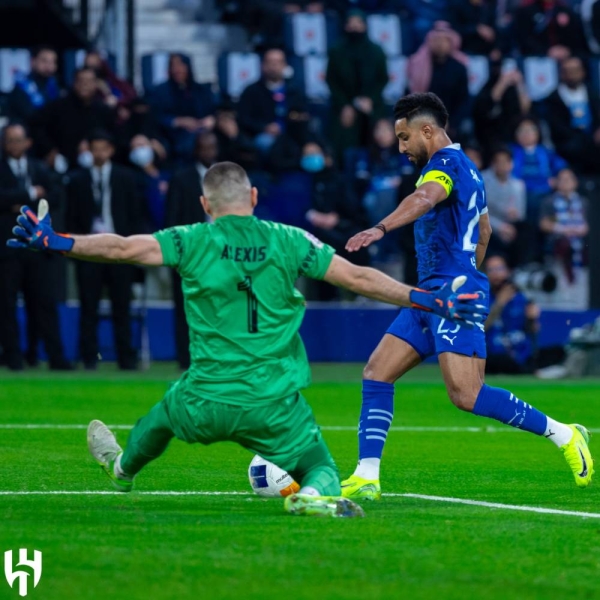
(574, 117)
(104, 199)
(24, 181)
(264, 105)
(183, 208)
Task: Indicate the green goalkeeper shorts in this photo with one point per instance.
(282, 431)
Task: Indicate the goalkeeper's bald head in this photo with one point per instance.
(227, 190)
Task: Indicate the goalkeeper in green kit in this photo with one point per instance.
(248, 361)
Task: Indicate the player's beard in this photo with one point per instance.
(422, 157)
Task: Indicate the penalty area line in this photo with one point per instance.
(464, 501)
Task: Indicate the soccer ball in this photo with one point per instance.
(269, 481)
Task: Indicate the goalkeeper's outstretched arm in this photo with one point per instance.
(107, 247)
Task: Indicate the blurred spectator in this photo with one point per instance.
(474, 21)
(423, 15)
(37, 88)
(111, 89)
(590, 17)
(336, 213)
(564, 220)
(234, 145)
(511, 325)
(23, 182)
(438, 66)
(535, 164)
(183, 107)
(286, 152)
(60, 125)
(501, 100)
(264, 105)
(184, 208)
(507, 203)
(155, 182)
(356, 75)
(549, 27)
(104, 199)
(473, 151)
(574, 117)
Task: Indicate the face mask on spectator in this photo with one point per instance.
(313, 163)
(86, 159)
(263, 141)
(60, 164)
(141, 156)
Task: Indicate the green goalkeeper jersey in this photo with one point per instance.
(242, 308)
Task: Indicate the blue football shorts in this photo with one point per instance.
(431, 335)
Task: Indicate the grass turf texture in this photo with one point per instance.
(163, 547)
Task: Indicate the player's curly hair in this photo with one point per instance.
(417, 105)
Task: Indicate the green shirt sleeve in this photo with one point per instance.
(314, 257)
(171, 244)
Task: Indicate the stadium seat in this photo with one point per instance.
(309, 75)
(12, 61)
(594, 74)
(478, 70)
(396, 86)
(541, 76)
(237, 70)
(385, 30)
(308, 33)
(73, 60)
(155, 68)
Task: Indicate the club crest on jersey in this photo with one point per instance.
(313, 240)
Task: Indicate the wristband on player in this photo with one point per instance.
(381, 228)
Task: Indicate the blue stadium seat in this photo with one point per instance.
(12, 61)
(386, 31)
(396, 86)
(308, 33)
(237, 70)
(594, 74)
(478, 70)
(73, 60)
(541, 76)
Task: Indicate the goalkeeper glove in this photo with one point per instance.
(36, 233)
(466, 309)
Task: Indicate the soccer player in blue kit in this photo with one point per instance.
(452, 230)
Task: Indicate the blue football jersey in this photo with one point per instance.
(446, 237)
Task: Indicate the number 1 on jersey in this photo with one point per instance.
(246, 286)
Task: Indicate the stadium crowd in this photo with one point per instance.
(111, 159)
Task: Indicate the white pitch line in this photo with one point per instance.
(534, 509)
(406, 428)
(496, 505)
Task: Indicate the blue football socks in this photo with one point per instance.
(376, 417)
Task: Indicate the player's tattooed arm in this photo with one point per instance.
(485, 232)
(421, 201)
(107, 247)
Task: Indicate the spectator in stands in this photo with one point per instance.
(438, 66)
(507, 203)
(104, 199)
(512, 323)
(549, 28)
(111, 89)
(336, 214)
(590, 17)
(234, 145)
(574, 117)
(286, 152)
(474, 21)
(423, 15)
(264, 105)
(502, 99)
(155, 183)
(535, 164)
(60, 125)
(473, 150)
(183, 208)
(36, 88)
(183, 108)
(23, 182)
(356, 75)
(564, 220)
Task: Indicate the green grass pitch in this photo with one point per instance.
(143, 546)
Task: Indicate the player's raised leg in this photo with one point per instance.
(464, 379)
(390, 360)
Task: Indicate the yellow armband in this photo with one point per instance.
(439, 177)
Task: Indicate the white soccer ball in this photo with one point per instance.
(269, 481)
